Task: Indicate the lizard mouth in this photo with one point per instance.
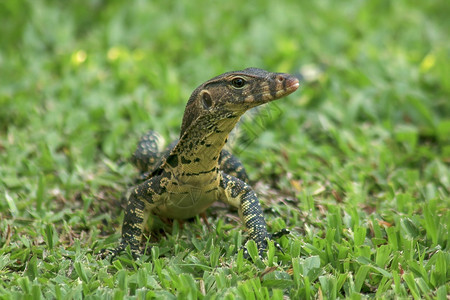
(292, 85)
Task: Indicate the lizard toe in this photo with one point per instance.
(280, 233)
(113, 253)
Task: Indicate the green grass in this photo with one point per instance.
(355, 164)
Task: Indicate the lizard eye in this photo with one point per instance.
(238, 82)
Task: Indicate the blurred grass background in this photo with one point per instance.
(365, 142)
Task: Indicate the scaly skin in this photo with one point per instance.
(195, 171)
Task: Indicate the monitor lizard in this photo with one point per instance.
(195, 170)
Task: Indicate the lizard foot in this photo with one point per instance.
(263, 246)
(135, 252)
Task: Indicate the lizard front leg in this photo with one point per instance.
(239, 194)
(142, 197)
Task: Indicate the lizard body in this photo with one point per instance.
(195, 170)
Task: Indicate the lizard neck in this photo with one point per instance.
(199, 147)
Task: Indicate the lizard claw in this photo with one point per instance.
(247, 255)
(279, 234)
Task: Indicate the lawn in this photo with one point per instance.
(356, 164)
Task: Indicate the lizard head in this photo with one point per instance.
(233, 93)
